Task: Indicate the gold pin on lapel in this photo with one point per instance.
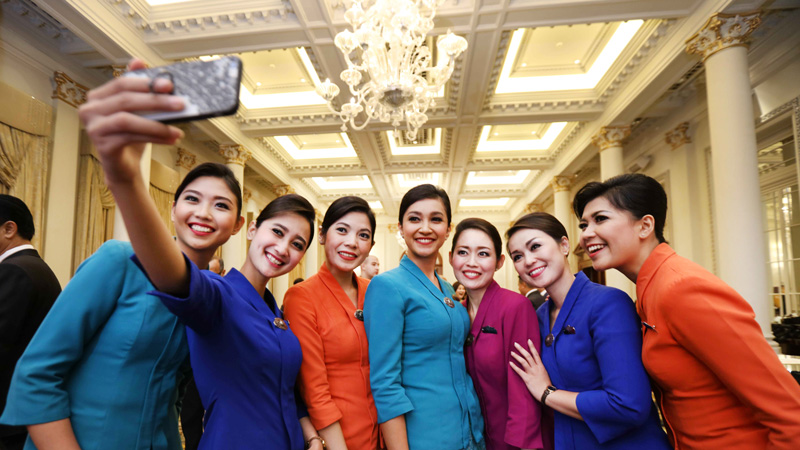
(449, 302)
(280, 323)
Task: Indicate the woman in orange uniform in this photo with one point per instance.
(325, 313)
(719, 384)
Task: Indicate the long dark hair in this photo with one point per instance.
(635, 193)
(215, 170)
(290, 203)
(344, 206)
(475, 223)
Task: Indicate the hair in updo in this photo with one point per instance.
(424, 192)
(635, 193)
(541, 221)
(214, 170)
(344, 206)
(479, 224)
(286, 204)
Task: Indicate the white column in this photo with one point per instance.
(62, 196)
(235, 158)
(737, 197)
(120, 232)
(609, 140)
(681, 199)
(312, 254)
(562, 209)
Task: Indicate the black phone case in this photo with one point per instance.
(209, 88)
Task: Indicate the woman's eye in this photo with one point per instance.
(298, 245)
(365, 236)
(461, 252)
(223, 206)
(583, 225)
(437, 220)
(484, 254)
(413, 219)
(535, 246)
(516, 258)
(190, 198)
(599, 219)
(342, 230)
(277, 231)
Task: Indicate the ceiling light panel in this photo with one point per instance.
(432, 147)
(376, 204)
(278, 78)
(409, 180)
(319, 150)
(506, 177)
(485, 144)
(483, 202)
(359, 183)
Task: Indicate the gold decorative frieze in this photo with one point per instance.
(679, 136)
(282, 189)
(723, 31)
(561, 183)
(69, 90)
(533, 207)
(393, 228)
(609, 137)
(118, 69)
(186, 159)
(235, 153)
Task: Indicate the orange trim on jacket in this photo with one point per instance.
(719, 383)
(334, 376)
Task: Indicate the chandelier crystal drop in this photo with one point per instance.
(389, 69)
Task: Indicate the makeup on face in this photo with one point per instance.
(347, 242)
(537, 257)
(608, 235)
(278, 244)
(425, 227)
(474, 259)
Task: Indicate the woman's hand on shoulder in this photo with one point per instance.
(117, 133)
(530, 369)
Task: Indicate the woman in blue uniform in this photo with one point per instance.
(590, 372)
(101, 371)
(424, 396)
(244, 356)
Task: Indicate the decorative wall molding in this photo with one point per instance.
(561, 183)
(235, 154)
(69, 90)
(678, 136)
(533, 207)
(611, 136)
(282, 189)
(186, 159)
(497, 67)
(246, 195)
(723, 31)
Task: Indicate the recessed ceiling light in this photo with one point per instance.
(577, 61)
(524, 64)
(258, 83)
(533, 132)
(304, 143)
(272, 66)
(338, 141)
(302, 80)
(496, 133)
(559, 44)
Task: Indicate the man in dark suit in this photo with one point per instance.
(534, 295)
(28, 289)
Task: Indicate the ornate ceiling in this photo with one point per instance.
(539, 79)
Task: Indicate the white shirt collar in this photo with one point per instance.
(16, 249)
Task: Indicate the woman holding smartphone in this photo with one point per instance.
(499, 318)
(590, 370)
(326, 313)
(244, 355)
(424, 396)
(719, 383)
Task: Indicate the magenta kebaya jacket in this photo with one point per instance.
(512, 415)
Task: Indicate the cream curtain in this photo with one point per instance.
(95, 215)
(24, 172)
(163, 201)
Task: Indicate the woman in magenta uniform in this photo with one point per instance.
(499, 318)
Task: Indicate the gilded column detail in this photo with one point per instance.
(723, 31)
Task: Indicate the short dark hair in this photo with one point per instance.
(215, 170)
(635, 193)
(475, 223)
(345, 205)
(456, 285)
(221, 262)
(15, 210)
(541, 221)
(289, 203)
(424, 192)
(298, 280)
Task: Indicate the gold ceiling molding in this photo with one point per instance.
(185, 159)
(678, 136)
(69, 90)
(609, 137)
(282, 189)
(723, 31)
(533, 207)
(393, 227)
(235, 154)
(561, 183)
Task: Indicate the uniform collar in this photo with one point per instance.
(412, 268)
(14, 250)
(572, 297)
(330, 282)
(486, 305)
(657, 257)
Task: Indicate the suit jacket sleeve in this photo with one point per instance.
(523, 424)
(38, 393)
(15, 293)
(384, 319)
(625, 400)
(299, 310)
(714, 323)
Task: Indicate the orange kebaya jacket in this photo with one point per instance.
(719, 384)
(334, 376)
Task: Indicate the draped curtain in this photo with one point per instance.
(95, 215)
(24, 170)
(163, 200)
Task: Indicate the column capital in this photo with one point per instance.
(611, 136)
(68, 90)
(246, 195)
(186, 159)
(282, 189)
(533, 207)
(561, 183)
(235, 153)
(118, 69)
(723, 31)
(318, 216)
(678, 136)
(393, 227)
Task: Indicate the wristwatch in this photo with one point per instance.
(549, 390)
(321, 441)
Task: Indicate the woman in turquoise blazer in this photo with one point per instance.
(424, 396)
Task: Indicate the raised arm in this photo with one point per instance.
(119, 137)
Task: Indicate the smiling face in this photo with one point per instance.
(347, 242)
(539, 260)
(425, 228)
(205, 218)
(277, 245)
(474, 260)
(460, 291)
(609, 235)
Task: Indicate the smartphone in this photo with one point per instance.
(209, 88)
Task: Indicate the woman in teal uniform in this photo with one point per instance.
(101, 371)
(424, 396)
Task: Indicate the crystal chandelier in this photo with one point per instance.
(389, 69)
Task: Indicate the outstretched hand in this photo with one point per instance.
(119, 135)
(531, 369)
